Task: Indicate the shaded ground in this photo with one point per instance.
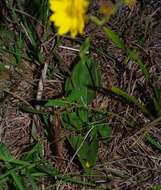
(128, 162)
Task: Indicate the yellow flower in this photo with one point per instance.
(69, 15)
(107, 7)
(87, 165)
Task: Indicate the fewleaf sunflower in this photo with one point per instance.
(69, 15)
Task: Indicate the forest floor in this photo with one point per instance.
(34, 65)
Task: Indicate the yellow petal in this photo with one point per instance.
(69, 15)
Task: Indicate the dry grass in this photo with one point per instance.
(128, 162)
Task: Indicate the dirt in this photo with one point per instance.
(128, 162)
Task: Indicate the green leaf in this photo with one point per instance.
(85, 75)
(6, 35)
(84, 49)
(87, 154)
(84, 115)
(133, 54)
(156, 99)
(153, 141)
(2, 67)
(58, 102)
(157, 187)
(75, 95)
(34, 154)
(71, 121)
(4, 153)
(6, 156)
(131, 99)
(97, 21)
(114, 37)
(18, 48)
(53, 172)
(31, 180)
(79, 96)
(18, 182)
(104, 130)
(3, 184)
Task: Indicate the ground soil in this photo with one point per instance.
(128, 162)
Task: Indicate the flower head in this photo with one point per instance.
(107, 7)
(69, 15)
(87, 165)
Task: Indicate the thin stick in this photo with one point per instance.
(75, 154)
